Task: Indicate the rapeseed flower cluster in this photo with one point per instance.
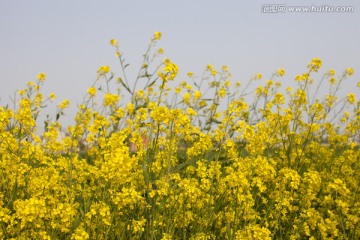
(194, 161)
(169, 71)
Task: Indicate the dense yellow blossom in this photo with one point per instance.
(148, 163)
(111, 99)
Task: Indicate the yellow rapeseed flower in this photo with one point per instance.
(92, 91)
(80, 234)
(191, 112)
(281, 72)
(351, 98)
(227, 83)
(166, 236)
(350, 71)
(157, 35)
(160, 51)
(64, 104)
(332, 81)
(225, 68)
(178, 90)
(103, 70)
(110, 99)
(169, 71)
(140, 94)
(113, 42)
(52, 96)
(41, 76)
(279, 98)
(22, 92)
(331, 72)
(315, 64)
(259, 76)
(186, 98)
(197, 94)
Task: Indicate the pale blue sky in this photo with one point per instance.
(69, 40)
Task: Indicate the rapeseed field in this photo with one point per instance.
(161, 158)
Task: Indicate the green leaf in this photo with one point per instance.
(124, 85)
(111, 77)
(151, 84)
